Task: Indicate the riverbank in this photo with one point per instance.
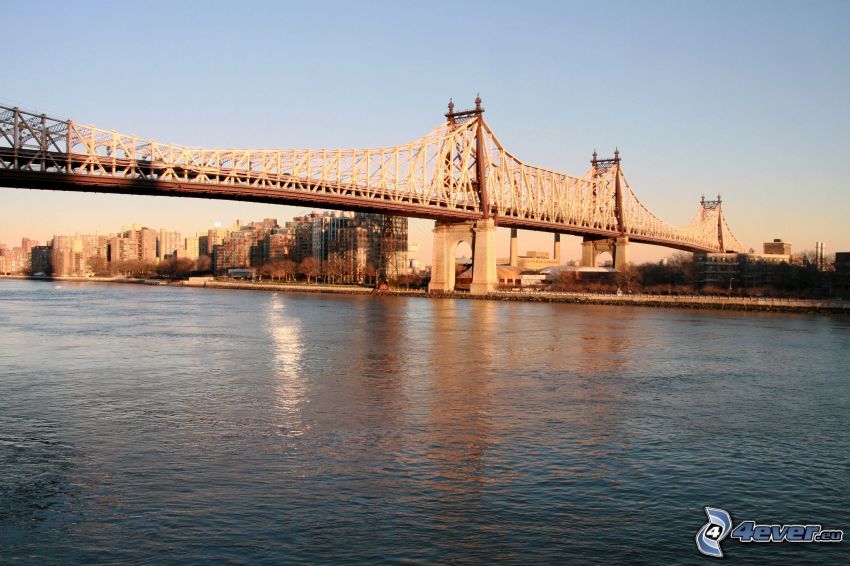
(760, 304)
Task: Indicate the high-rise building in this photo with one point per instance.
(354, 246)
(243, 248)
(27, 244)
(339, 245)
(302, 227)
(280, 244)
(75, 255)
(137, 243)
(168, 245)
(191, 247)
(41, 260)
(123, 249)
(65, 250)
(147, 244)
(15, 260)
(387, 245)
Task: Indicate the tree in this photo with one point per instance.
(98, 265)
(266, 270)
(567, 281)
(175, 267)
(336, 268)
(370, 273)
(628, 280)
(203, 264)
(289, 269)
(308, 267)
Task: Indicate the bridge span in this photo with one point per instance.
(458, 174)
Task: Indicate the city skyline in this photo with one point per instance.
(345, 245)
(754, 142)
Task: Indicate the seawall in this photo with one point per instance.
(760, 304)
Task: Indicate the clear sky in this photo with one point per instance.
(747, 99)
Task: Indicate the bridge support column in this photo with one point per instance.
(484, 277)
(447, 236)
(557, 251)
(514, 246)
(621, 253)
(617, 247)
(481, 236)
(590, 249)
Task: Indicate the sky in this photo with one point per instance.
(750, 100)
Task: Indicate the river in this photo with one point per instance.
(168, 425)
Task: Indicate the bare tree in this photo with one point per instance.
(203, 264)
(308, 267)
(266, 270)
(98, 266)
(337, 268)
(370, 273)
(289, 269)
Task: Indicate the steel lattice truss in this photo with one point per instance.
(435, 176)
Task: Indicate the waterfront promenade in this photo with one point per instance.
(766, 304)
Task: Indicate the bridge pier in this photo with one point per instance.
(514, 248)
(484, 277)
(618, 248)
(481, 237)
(557, 251)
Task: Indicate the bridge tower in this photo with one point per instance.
(480, 234)
(618, 246)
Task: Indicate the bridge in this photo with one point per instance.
(458, 174)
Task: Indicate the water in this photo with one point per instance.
(152, 424)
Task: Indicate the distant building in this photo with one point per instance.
(75, 255)
(41, 260)
(387, 244)
(190, 247)
(147, 239)
(243, 248)
(777, 247)
(168, 245)
(122, 249)
(280, 244)
(204, 245)
(16, 261)
(303, 227)
(346, 246)
(532, 260)
(353, 246)
(134, 244)
(214, 238)
(412, 260)
(736, 270)
(27, 244)
(234, 252)
(820, 257)
(842, 273)
(574, 273)
(340, 245)
(508, 276)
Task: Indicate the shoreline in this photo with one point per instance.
(743, 304)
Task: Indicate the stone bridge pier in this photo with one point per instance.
(618, 248)
(481, 237)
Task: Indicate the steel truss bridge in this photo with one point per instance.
(459, 171)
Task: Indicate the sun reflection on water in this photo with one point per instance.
(290, 386)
